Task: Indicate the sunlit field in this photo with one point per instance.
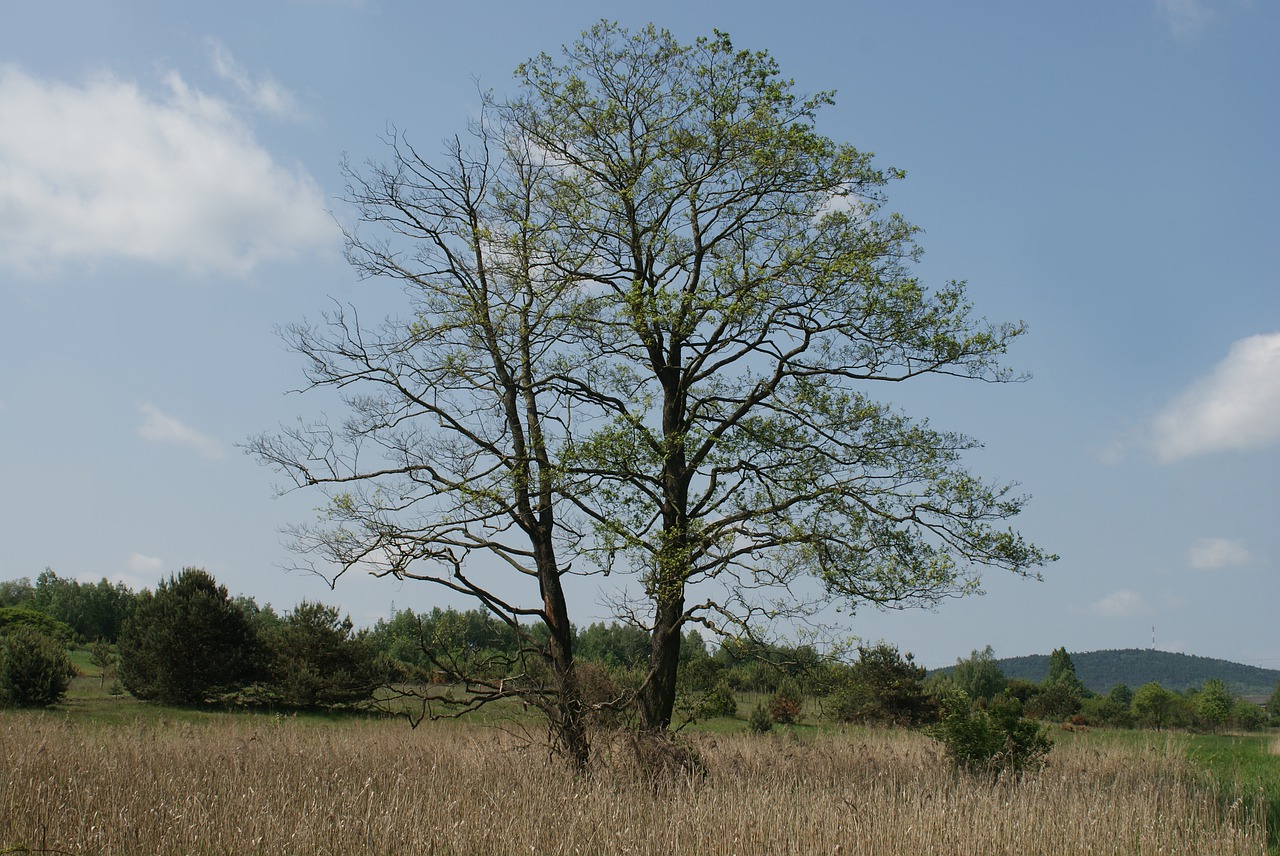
(263, 784)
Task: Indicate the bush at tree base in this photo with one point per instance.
(34, 669)
(993, 741)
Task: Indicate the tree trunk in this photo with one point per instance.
(658, 697)
(568, 718)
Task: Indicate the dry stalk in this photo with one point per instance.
(259, 785)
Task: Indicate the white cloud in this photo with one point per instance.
(1121, 604)
(1213, 553)
(142, 564)
(104, 170)
(1236, 407)
(1185, 17)
(265, 93)
(159, 428)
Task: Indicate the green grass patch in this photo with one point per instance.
(1246, 762)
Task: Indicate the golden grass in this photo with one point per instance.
(260, 785)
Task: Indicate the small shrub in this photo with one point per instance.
(760, 721)
(786, 703)
(34, 669)
(883, 687)
(720, 701)
(993, 741)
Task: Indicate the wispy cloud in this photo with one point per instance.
(265, 93)
(104, 170)
(142, 564)
(1121, 604)
(159, 428)
(1237, 407)
(1185, 18)
(1214, 553)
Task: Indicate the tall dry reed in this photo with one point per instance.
(267, 786)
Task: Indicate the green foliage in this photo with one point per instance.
(1120, 694)
(721, 701)
(94, 610)
(1057, 701)
(472, 642)
(615, 644)
(102, 655)
(1062, 692)
(34, 668)
(17, 592)
(787, 703)
(1273, 705)
(882, 687)
(1213, 704)
(979, 676)
(1153, 706)
(13, 617)
(1061, 668)
(993, 741)
(1246, 716)
(755, 666)
(187, 643)
(760, 721)
(1114, 709)
(317, 661)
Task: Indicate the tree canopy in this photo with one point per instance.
(649, 302)
(187, 642)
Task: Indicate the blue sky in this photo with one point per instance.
(1105, 171)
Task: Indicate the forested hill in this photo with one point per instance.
(1102, 670)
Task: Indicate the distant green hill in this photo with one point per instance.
(1102, 670)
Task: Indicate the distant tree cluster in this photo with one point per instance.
(1062, 697)
(189, 642)
(1101, 670)
(92, 610)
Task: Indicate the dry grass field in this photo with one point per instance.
(266, 785)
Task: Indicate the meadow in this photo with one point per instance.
(222, 783)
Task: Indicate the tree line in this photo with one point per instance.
(189, 642)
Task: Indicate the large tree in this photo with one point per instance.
(650, 302)
(756, 291)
